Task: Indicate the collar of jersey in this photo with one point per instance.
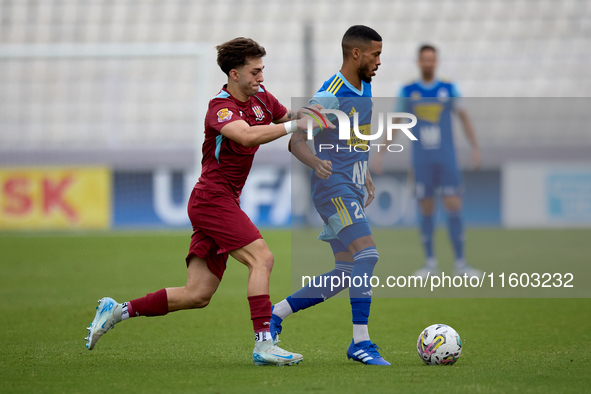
(427, 86)
(239, 103)
(353, 88)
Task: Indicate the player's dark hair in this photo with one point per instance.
(235, 53)
(427, 47)
(356, 35)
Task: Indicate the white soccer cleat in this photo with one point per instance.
(108, 312)
(425, 271)
(468, 270)
(267, 353)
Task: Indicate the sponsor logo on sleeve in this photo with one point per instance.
(224, 115)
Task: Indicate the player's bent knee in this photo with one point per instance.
(199, 301)
(197, 297)
(263, 261)
(268, 260)
(369, 256)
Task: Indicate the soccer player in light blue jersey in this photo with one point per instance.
(433, 101)
(339, 176)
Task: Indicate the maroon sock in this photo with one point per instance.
(153, 304)
(260, 312)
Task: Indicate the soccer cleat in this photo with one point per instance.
(425, 271)
(275, 326)
(365, 352)
(468, 270)
(267, 353)
(108, 312)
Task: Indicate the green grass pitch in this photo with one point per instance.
(49, 284)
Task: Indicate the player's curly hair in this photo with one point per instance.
(235, 53)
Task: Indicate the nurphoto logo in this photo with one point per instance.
(348, 133)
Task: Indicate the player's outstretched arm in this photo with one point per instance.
(289, 116)
(249, 136)
(301, 150)
(306, 111)
(471, 135)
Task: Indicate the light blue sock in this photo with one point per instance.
(456, 233)
(427, 228)
(315, 292)
(365, 261)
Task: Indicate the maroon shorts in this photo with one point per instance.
(219, 226)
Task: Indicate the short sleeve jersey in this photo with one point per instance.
(349, 157)
(225, 163)
(433, 104)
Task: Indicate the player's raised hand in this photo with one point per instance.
(319, 107)
(323, 169)
(313, 113)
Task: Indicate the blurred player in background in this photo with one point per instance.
(241, 117)
(433, 101)
(338, 178)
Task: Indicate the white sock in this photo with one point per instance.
(460, 264)
(282, 309)
(124, 311)
(360, 333)
(262, 336)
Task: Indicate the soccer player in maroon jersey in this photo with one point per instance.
(241, 117)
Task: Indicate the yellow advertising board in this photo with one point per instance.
(55, 198)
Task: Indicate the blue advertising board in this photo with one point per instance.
(158, 199)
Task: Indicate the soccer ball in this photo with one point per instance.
(439, 344)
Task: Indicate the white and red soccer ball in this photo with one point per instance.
(439, 344)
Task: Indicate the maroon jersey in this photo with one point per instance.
(225, 163)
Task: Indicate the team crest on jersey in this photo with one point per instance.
(260, 115)
(415, 95)
(224, 115)
(443, 94)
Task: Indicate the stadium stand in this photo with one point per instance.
(128, 111)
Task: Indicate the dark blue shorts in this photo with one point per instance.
(441, 178)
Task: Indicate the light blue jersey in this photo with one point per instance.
(432, 103)
(349, 157)
(339, 199)
(433, 156)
